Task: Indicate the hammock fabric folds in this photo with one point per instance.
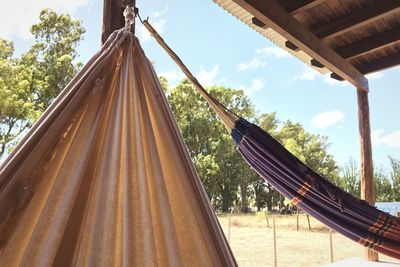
(339, 210)
(104, 178)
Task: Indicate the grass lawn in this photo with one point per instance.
(252, 241)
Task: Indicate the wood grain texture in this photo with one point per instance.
(113, 18)
(273, 15)
(366, 168)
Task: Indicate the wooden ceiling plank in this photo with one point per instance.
(379, 64)
(356, 19)
(271, 13)
(295, 7)
(369, 44)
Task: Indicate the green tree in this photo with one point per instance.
(30, 83)
(269, 123)
(309, 148)
(15, 111)
(395, 178)
(164, 84)
(265, 195)
(383, 186)
(219, 165)
(349, 179)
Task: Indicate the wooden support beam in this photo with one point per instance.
(292, 46)
(316, 63)
(379, 64)
(336, 77)
(357, 18)
(366, 170)
(258, 22)
(370, 44)
(113, 18)
(272, 14)
(298, 6)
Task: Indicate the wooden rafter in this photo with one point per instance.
(316, 63)
(272, 14)
(336, 77)
(298, 6)
(357, 18)
(292, 46)
(379, 64)
(370, 44)
(258, 22)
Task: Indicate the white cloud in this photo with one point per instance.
(207, 78)
(157, 21)
(253, 64)
(159, 13)
(333, 82)
(375, 75)
(273, 51)
(390, 140)
(172, 75)
(16, 17)
(308, 74)
(327, 119)
(256, 85)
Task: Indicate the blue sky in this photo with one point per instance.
(221, 50)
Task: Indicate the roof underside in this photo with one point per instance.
(360, 36)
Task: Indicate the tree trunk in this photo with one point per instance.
(243, 194)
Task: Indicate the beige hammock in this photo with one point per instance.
(104, 178)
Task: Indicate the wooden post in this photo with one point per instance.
(308, 220)
(297, 217)
(331, 244)
(113, 18)
(229, 227)
(274, 231)
(266, 217)
(366, 170)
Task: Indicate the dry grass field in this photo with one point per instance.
(252, 241)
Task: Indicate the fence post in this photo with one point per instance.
(229, 227)
(331, 244)
(309, 224)
(274, 231)
(266, 217)
(297, 217)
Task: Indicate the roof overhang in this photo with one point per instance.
(348, 39)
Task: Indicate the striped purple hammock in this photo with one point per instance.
(344, 213)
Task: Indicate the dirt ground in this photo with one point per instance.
(252, 241)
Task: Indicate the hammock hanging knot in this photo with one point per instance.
(130, 13)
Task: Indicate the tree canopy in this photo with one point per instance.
(29, 83)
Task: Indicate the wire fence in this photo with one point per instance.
(263, 239)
